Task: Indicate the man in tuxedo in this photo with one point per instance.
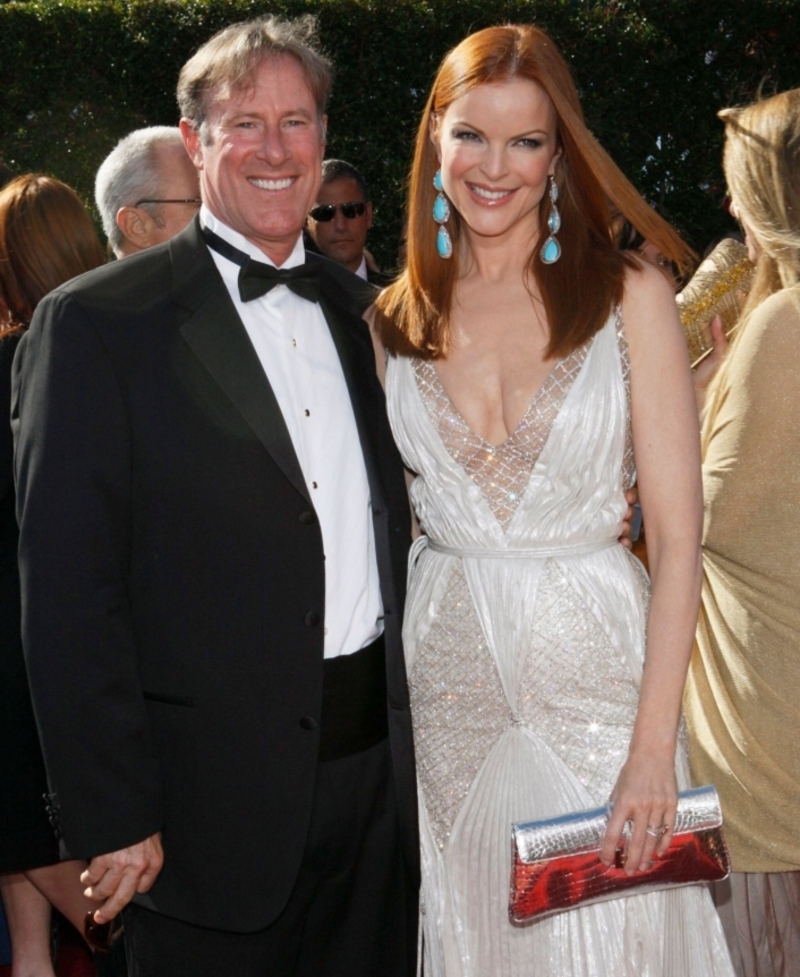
(214, 532)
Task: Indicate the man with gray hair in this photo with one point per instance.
(214, 533)
(146, 189)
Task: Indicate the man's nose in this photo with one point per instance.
(339, 220)
(273, 148)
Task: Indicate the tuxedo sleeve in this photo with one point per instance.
(73, 468)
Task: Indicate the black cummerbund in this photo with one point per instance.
(354, 704)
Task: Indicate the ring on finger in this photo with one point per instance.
(656, 830)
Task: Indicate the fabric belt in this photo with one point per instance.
(354, 702)
(529, 553)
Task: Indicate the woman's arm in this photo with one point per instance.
(380, 369)
(667, 448)
(380, 350)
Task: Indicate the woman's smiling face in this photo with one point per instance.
(497, 145)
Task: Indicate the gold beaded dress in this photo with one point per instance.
(524, 639)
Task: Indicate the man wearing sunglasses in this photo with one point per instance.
(341, 218)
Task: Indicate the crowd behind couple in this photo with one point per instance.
(227, 641)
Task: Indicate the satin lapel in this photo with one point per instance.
(359, 385)
(218, 338)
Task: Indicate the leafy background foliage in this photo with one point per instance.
(77, 75)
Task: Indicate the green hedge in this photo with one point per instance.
(77, 75)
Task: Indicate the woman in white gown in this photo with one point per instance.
(513, 386)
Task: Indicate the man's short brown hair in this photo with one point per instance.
(228, 62)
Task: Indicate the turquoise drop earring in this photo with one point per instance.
(551, 249)
(441, 214)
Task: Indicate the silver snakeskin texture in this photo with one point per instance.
(583, 831)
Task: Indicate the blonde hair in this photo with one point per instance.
(46, 238)
(414, 312)
(761, 160)
(229, 60)
(762, 166)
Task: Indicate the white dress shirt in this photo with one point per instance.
(296, 350)
(361, 271)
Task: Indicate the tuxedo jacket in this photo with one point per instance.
(173, 578)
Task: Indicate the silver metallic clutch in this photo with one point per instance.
(556, 863)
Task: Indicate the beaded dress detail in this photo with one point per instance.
(524, 639)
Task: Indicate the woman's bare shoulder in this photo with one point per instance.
(647, 293)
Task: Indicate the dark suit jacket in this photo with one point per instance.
(173, 578)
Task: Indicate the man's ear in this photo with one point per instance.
(193, 142)
(136, 227)
(368, 213)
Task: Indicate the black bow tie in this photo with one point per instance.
(257, 278)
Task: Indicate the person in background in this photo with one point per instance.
(341, 218)
(146, 190)
(46, 238)
(629, 239)
(743, 686)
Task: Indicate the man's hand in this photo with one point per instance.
(114, 879)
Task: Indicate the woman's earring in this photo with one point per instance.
(551, 249)
(441, 214)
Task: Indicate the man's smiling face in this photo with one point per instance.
(259, 154)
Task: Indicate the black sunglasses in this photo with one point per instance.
(326, 212)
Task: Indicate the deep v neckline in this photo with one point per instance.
(541, 389)
(501, 471)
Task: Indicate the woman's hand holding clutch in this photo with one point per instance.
(645, 801)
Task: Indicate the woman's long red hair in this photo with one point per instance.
(46, 238)
(578, 291)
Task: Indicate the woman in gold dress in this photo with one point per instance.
(742, 692)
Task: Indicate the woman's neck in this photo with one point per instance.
(495, 260)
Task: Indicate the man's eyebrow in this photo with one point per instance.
(254, 114)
